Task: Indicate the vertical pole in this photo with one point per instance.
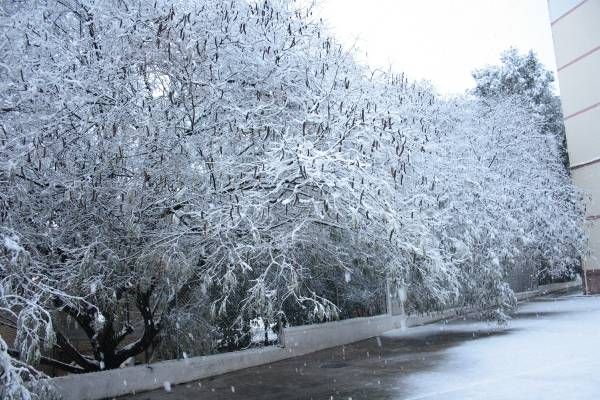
(280, 331)
(388, 296)
(177, 317)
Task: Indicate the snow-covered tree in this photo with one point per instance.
(152, 151)
(22, 284)
(518, 74)
(503, 196)
(525, 75)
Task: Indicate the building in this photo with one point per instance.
(576, 33)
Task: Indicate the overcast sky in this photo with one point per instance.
(440, 40)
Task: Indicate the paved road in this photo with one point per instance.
(549, 351)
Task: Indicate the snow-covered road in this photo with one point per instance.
(549, 351)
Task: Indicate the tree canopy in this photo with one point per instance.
(524, 75)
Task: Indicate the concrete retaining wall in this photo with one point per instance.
(551, 288)
(299, 340)
(296, 341)
(140, 378)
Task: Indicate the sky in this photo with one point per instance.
(440, 40)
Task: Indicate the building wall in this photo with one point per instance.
(576, 33)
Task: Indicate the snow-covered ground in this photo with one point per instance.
(550, 351)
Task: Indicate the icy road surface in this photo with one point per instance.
(549, 351)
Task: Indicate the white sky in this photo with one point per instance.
(440, 40)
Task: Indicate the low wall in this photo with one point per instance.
(551, 288)
(299, 340)
(296, 341)
(141, 378)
